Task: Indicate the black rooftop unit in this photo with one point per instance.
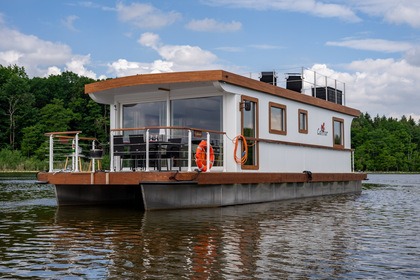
(294, 82)
(328, 93)
(269, 77)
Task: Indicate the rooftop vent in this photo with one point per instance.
(294, 82)
(328, 93)
(269, 77)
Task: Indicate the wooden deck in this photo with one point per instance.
(208, 178)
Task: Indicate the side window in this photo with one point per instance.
(303, 121)
(338, 133)
(277, 118)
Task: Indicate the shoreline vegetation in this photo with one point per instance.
(31, 107)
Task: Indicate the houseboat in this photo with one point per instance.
(208, 139)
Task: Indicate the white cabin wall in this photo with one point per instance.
(114, 111)
(286, 158)
(232, 127)
(274, 157)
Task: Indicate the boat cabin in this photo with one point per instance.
(158, 122)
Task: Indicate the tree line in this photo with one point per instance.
(30, 107)
(386, 144)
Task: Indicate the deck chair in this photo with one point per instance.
(120, 149)
(173, 153)
(137, 150)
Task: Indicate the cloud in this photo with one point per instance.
(316, 8)
(172, 58)
(39, 57)
(53, 70)
(68, 22)
(30, 51)
(413, 56)
(397, 12)
(265, 47)
(123, 67)
(379, 45)
(149, 39)
(145, 15)
(230, 49)
(211, 25)
(379, 86)
(77, 65)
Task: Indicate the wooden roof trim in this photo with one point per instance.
(215, 75)
(157, 78)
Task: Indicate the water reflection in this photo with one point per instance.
(259, 241)
(371, 235)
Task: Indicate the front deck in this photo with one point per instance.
(144, 149)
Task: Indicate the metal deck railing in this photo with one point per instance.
(158, 148)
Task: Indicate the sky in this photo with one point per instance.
(373, 46)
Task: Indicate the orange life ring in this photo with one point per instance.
(201, 156)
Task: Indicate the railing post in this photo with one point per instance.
(92, 159)
(344, 94)
(111, 152)
(147, 150)
(224, 149)
(76, 167)
(189, 150)
(335, 91)
(326, 89)
(51, 154)
(208, 153)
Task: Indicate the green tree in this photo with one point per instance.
(16, 103)
(53, 117)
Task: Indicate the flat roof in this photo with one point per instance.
(173, 79)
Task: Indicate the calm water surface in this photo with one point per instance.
(374, 235)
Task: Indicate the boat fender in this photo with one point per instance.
(201, 156)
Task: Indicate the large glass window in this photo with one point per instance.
(144, 114)
(277, 118)
(201, 113)
(338, 133)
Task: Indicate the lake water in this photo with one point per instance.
(374, 235)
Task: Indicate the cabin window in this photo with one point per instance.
(202, 113)
(338, 133)
(278, 124)
(144, 114)
(303, 121)
(250, 130)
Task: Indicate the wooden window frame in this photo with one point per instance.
(305, 130)
(284, 108)
(341, 145)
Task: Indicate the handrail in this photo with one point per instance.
(168, 127)
(62, 135)
(62, 132)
